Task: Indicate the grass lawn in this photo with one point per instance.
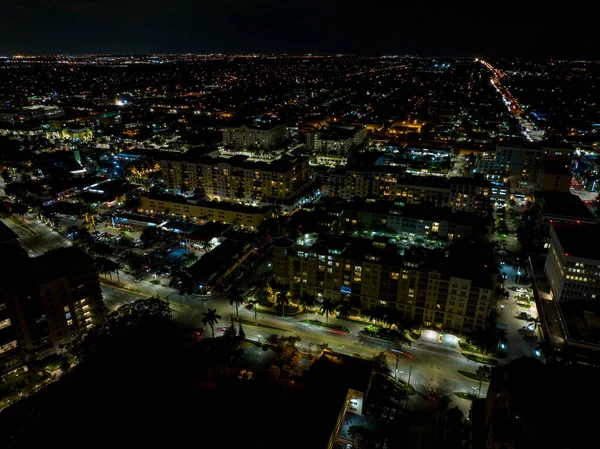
(21, 382)
(479, 359)
(468, 396)
(470, 375)
(467, 346)
(259, 324)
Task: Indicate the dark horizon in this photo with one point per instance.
(37, 27)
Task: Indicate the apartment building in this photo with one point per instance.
(244, 216)
(387, 183)
(524, 163)
(471, 194)
(573, 262)
(391, 183)
(410, 221)
(46, 302)
(263, 136)
(238, 177)
(331, 146)
(443, 291)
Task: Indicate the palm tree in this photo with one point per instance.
(188, 259)
(206, 246)
(283, 300)
(235, 297)
(211, 318)
(254, 303)
(327, 308)
(307, 301)
(536, 322)
(344, 310)
(377, 313)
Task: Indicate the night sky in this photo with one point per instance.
(309, 26)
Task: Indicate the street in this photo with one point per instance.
(432, 364)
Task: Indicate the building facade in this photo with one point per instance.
(259, 137)
(390, 183)
(331, 146)
(59, 301)
(244, 216)
(573, 262)
(237, 178)
(375, 276)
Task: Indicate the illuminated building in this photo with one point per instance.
(331, 146)
(48, 301)
(443, 290)
(573, 262)
(263, 136)
(222, 211)
(238, 177)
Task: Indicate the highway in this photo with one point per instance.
(432, 363)
(528, 128)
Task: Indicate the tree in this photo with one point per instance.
(18, 209)
(484, 372)
(211, 318)
(377, 313)
(230, 332)
(307, 301)
(380, 364)
(235, 298)
(327, 308)
(274, 373)
(254, 302)
(83, 238)
(283, 300)
(188, 259)
(343, 310)
(206, 246)
(291, 358)
(6, 176)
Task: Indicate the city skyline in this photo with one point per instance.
(182, 26)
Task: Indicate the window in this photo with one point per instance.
(395, 276)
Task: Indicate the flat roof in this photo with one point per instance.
(564, 204)
(579, 240)
(223, 205)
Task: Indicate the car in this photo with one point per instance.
(221, 329)
(385, 413)
(393, 414)
(242, 374)
(521, 290)
(506, 294)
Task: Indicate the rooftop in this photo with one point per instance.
(580, 240)
(564, 204)
(223, 205)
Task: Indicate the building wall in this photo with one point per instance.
(224, 182)
(571, 278)
(436, 301)
(244, 137)
(252, 218)
(556, 183)
(406, 227)
(49, 315)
